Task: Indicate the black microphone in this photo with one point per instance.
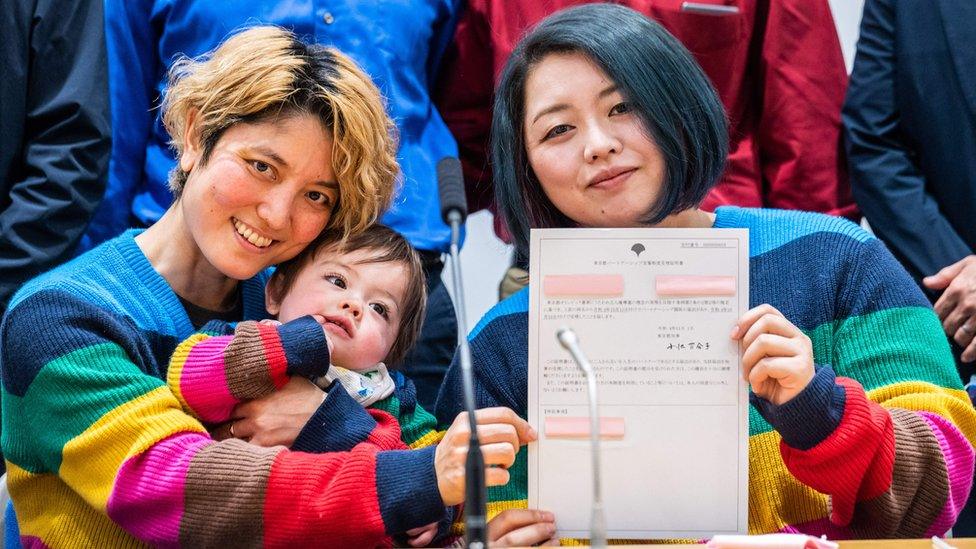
(454, 208)
(450, 185)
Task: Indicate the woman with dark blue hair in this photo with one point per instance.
(603, 119)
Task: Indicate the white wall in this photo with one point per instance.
(484, 258)
(847, 17)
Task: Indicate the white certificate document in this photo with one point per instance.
(653, 309)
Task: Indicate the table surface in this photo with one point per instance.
(958, 543)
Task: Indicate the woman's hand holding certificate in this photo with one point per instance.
(777, 358)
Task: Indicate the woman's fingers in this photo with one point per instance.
(750, 317)
(942, 278)
(953, 323)
(497, 455)
(965, 332)
(495, 425)
(503, 416)
(501, 432)
(497, 476)
(770, 323)
(770, 369)
(522, 527)
(498, 432)
(501, 454)
(777, 357)
(769, 345)
(421, 537)
(969, 353)
(527, 536)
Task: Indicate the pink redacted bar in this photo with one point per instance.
(592, 285)
(579, 427)
(770, 541)
(681, 285)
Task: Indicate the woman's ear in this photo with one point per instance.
(271, 294)
(191, 142)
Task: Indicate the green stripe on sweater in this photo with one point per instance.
(67, 396)
(888, 347)
(518, 483)
(413, 425)
(881, 348)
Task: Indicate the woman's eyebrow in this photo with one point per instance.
(277, 159)
(261, 149)
(550, 110)
(609, 90)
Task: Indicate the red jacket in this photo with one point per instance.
(777, 66)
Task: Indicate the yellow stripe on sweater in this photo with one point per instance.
(92, 459)
(952, 404)
(176, 363)
(74, 524)
(495, 507)
(430, 439)
(776, 497)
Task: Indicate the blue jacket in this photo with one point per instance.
(399, 44)
(910, 124)
(54, 133)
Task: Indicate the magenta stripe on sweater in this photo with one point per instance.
(959, 460)
(31, 542)
(147, 499)
(819, 527)
(203, 381)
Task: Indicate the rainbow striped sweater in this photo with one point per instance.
(223, 365)
(100, 451)
(879, 445)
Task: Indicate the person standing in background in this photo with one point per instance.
(910, 132)
(54, 133)
(777, 66)
(398, 44)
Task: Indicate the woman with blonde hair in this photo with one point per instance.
(276, 141)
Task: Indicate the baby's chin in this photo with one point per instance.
(356, 368)
(340, 360)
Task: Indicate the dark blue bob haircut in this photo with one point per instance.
(678, 106)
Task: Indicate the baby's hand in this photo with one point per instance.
(270, 322)
(777, 358)
(421, 537)
(321, 320)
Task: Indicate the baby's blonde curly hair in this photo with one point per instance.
(265, 72)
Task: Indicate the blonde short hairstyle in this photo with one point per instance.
(264, 73)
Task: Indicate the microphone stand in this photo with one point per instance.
(598, 524)
(475, 521)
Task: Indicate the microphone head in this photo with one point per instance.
(450, 184)
(567, 337)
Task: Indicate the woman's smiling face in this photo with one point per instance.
(587, 146)
(266, 191)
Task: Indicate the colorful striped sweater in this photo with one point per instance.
(879, 445)
(101, 453)
(223, 365)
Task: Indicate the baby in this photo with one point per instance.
(345, 310)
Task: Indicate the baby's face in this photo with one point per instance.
(358, 304)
